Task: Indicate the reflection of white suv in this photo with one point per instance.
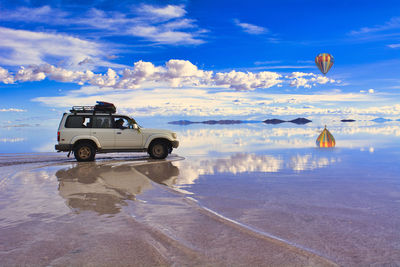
(87, 132)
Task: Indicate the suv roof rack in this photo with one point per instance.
(82, 109)
(100, 107)
(89, 110)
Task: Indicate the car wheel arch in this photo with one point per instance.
(81, 141)
(159, 139)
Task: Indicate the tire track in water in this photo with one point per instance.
(259, 233)
(159, 212)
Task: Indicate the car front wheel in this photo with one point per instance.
(158, 150)
(84, 152)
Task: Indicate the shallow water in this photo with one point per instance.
(230, 195)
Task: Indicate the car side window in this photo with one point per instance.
(121, 122)
(102, 122)
(77, 121)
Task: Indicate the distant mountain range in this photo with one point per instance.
(270, 121)
(296, 121)
(379, 120)
(299, 121)
(186, 122)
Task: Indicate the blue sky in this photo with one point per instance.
(199, 58)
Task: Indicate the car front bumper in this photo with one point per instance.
(175, 144)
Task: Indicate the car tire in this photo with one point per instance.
(84, 152)
(158, 150)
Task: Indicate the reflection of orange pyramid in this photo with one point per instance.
(325, 139)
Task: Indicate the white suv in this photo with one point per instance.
(85, 132)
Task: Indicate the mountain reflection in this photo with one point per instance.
(105, 188)
(257, 138)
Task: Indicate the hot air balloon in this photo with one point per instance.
(325, 139)
(324, 62)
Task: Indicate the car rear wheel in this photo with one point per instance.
(158, 150)
(84, 152)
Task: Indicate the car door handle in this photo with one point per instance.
(119, 133)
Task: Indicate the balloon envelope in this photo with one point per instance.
(325, 139)
(324, 62)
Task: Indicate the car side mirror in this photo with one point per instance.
(135, 126)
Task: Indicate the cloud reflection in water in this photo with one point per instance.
(191, 170)
(104, 188)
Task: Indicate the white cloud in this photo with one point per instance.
(282, 67)
(394, 45)
(40, 72)
(215, 102)
(393, 23)
(300, 82)
(165, 36)
(300, 74)
(371, 91)
(251, 28)
(30, 74)
(386, 110)
(12, 110)
(183, 72)
(12, 140)
(5, 76)
(166, 12)
(180, 24)
(27, 47)
(247, 81)
(182, 68)
(159, 24)
(86, 61)
(141, 72)
(267, 62)
(45, 14)
(297, 79)
(175, 73)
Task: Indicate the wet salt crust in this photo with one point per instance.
(224, 204)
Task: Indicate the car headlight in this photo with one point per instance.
(173, 135)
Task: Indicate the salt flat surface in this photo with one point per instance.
(249, 196)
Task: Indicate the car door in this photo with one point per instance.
(125, 136)
(103, 130)
(75, 125)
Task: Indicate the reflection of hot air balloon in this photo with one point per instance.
(324, 62)
(325, 139)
